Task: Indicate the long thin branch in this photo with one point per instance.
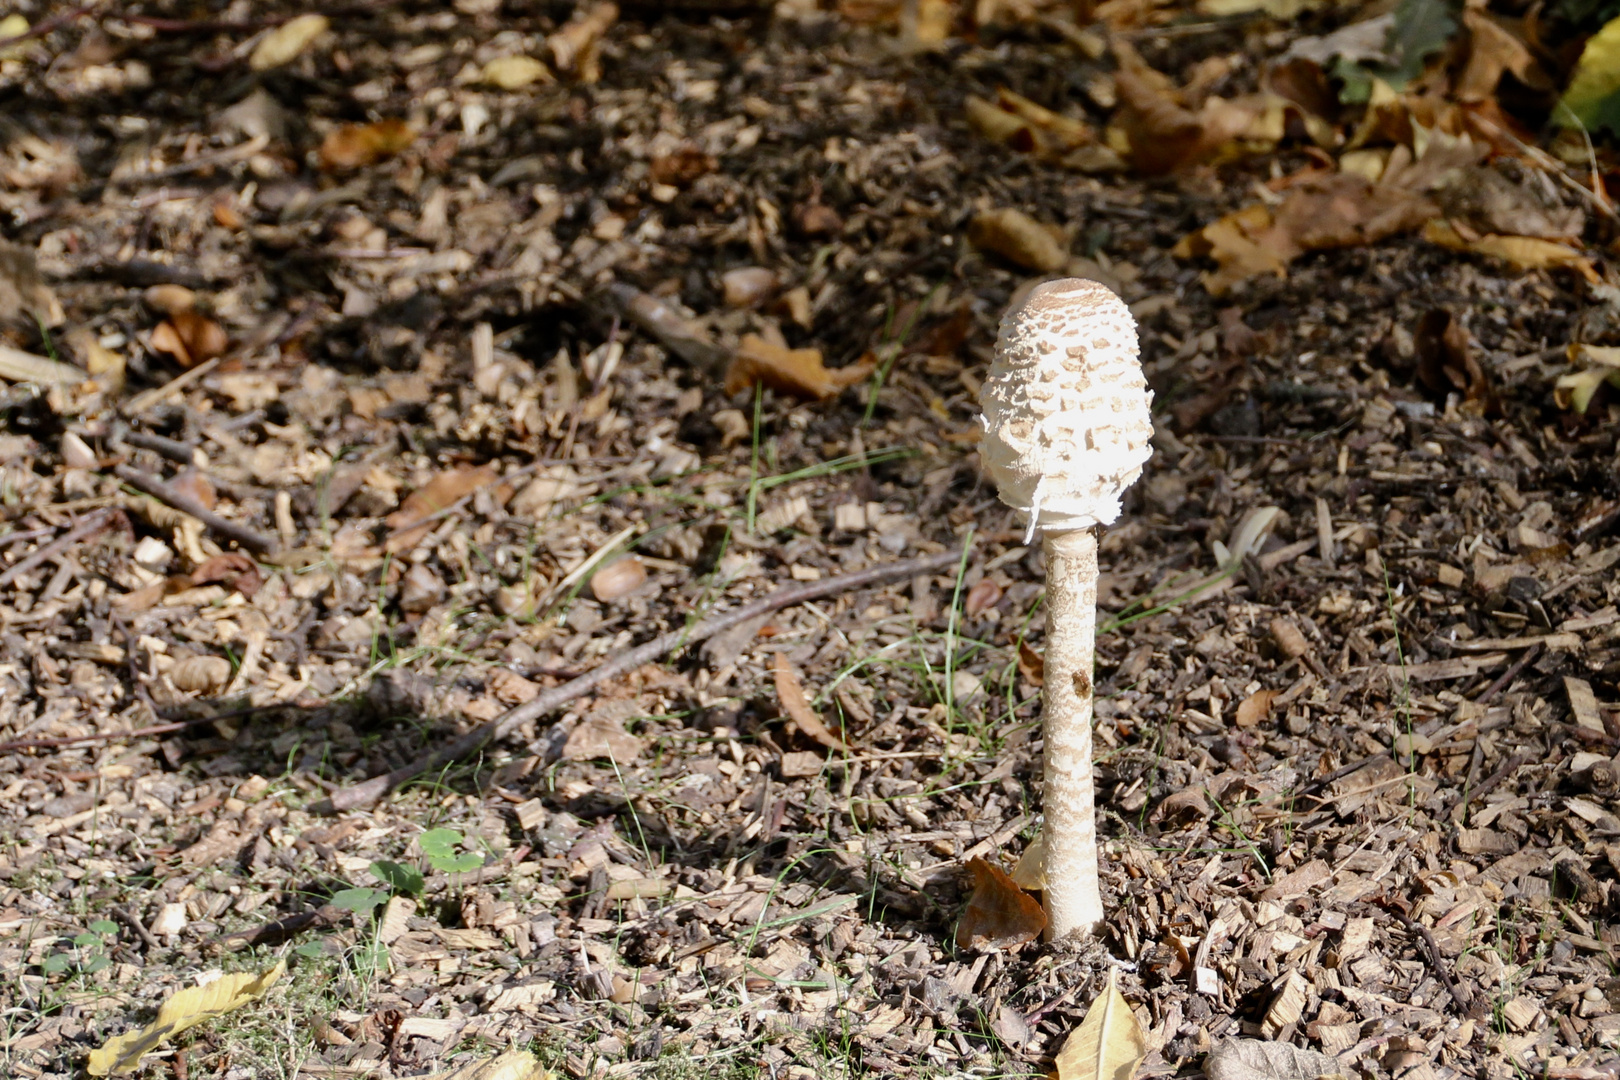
(88, 527)
(364, 794)
(163, 492)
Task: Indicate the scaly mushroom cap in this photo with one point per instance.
(1066, 424)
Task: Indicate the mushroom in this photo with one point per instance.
(1066, 431)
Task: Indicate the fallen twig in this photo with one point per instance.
(163, 492)
(364, 794)
(1431, 950)
(86, 528)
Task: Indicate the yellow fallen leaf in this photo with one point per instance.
(1108, 1045)
(516, 72)
(286, 42)
(189, 1007)
(1030, 873)
(1575, 390)
(512, 1065)
(1523, 252)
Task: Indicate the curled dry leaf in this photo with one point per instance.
(983, 596)
(1019, 239)
(1031, 664)
(1290, 641)
(1576, 390)
(1446, 360)
(797, 706)
(190, 337)
(415, 516)
(621, 577)
(1252, 1059)
(578, 37)
(1109, 1044)
(232, 569)
(1185, 808)
(799, 372)
(1030, 871)
(516, 72)
(287, 42)
(1254, 708)
(354, 146)
(201, 674)
(999, 914)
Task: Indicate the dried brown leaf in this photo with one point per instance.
(1254, 708)
(354, 146)
(1031, 664)
(999, 914)
(797, 707)
(799, 372)
(414, 518)
(233, 570)
(1019, 239)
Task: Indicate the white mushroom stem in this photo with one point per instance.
(1071, 825)
(1066, 431)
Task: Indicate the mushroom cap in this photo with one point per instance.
(1066, 422)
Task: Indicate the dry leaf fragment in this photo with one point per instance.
(1109, 1044)
(516, 72)
(1319, 212)
(1576, 390)
(1521, 252)
(122, 1053)
(232, 569)
(415, 516)
(797, 707)
(286, 42)
(1019, 239)
(1030, 870)
(621, 577)
(512, 1065)
(354, 146)
(1031, 664)
(999, 914)
(23, 290)
(1252, 1059)
(600, 737)
(1254, 708)
(1290, 640)
(201, 674)
(578, 37)
(799, 372)
(190, 337)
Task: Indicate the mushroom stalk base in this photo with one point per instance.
(1073, 899)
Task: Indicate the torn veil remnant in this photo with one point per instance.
(1066, 431)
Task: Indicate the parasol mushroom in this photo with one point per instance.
(1066, 431)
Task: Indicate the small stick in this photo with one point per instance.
(156, 488)
(86, 528)
(1431, 948)
(364, 794)
(1507, 677)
